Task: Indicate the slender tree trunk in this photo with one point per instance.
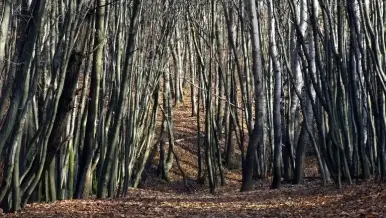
(124, 90)
(277, 98)
(93, 120)
(256, 137)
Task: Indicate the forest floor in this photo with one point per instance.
(157, 198)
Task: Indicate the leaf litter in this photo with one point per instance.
(157, 198)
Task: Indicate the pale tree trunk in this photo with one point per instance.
(304, 136)
(277, 71)
(256, 137)
(5, 20)
(301, 14)
(178, 76)
(166, 157)
(355, 77)
(192, 71)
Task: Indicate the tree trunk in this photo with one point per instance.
(256, 137)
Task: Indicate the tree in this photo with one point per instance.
(256, 137)
(87, 91)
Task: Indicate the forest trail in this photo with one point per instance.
(157, 198)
